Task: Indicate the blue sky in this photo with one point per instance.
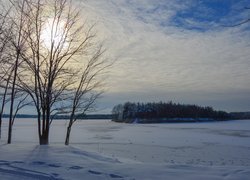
(180, 50)
(209, 14)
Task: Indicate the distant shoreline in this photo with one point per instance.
(235, 116)
(171, 120)
(90, 116)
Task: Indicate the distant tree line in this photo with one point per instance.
(162, 112)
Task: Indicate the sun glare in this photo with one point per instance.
(54, 32)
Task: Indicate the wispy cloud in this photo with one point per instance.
(172, 49)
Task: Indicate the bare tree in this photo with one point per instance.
(18, 40)
(5, 70)
(55, 60)
(87, 89)
(12, 44)
(57, 41)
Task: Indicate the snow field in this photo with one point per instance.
(102, 149)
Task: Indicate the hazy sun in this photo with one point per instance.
(54, 32)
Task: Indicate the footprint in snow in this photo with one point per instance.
(115, 176)
(54, 165)
(18, 162)
(3, 162)
(55, 174)
(110, 175)
(94, 172)
(76, 167)
(38, 162)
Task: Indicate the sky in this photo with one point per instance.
(183, 51)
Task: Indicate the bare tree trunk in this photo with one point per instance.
(39, 124)
(69, 129)
(3, 105)
(43, 132)
(5, 37)
(68, 134)
(44, 139)
(12, 99)
(43, 128)
(71, 121)
(13, 89)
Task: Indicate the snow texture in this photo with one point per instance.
(101, 149)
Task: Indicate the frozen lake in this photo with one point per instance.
(221, 149)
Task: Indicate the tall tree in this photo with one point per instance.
(86, 88)
(18, 41)
(55, 60)
(60, 60)
(4, 59)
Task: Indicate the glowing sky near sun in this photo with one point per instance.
(53, 32)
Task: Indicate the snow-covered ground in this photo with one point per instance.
(101, 149)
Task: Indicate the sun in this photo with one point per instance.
(54, 33)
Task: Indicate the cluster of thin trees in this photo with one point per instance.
(128, 112)
(50, 61)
